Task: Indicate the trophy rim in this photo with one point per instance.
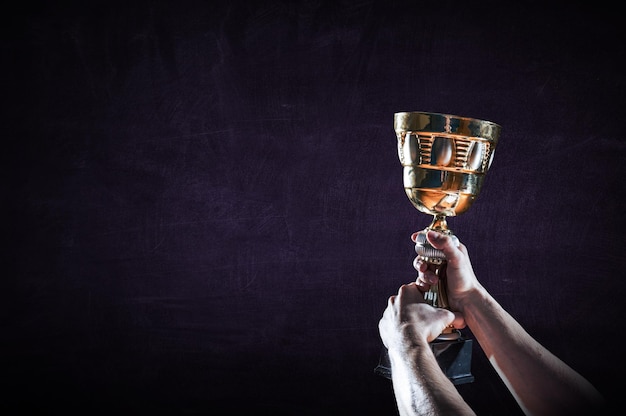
(445, 123)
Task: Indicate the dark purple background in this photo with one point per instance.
(204, 205)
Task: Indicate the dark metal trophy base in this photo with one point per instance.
(454, 358)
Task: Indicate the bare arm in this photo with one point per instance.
(420, 386)
(541, 383)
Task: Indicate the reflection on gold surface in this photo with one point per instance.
(444, 158)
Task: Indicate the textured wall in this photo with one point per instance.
(204, 204)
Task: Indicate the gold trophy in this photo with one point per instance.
(445, 159)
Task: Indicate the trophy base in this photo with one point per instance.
(454, 358)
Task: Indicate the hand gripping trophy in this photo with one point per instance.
(445, 159)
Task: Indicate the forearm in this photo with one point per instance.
(540, 382)
(421, 387)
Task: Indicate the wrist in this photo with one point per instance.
(409, 353)
(471, 299)
(408, 341)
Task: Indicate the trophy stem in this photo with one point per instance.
(439, 223)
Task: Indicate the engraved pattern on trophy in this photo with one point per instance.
(443, 174)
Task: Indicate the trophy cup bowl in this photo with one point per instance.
(445, 159)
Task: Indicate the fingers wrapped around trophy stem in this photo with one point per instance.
(436, 295)
(436, 261)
